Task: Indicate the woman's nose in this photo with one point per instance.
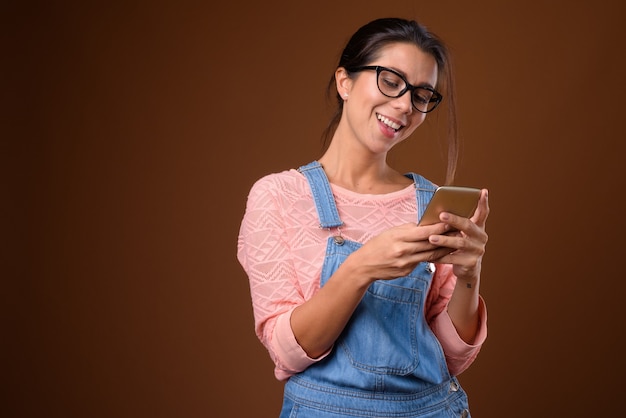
(404, 103)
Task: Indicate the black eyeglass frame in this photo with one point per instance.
(436, 98)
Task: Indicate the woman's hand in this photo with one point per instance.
(467, 243)
(397, 251)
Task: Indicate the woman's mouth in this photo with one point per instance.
(389, 123)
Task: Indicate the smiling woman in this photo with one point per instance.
(401, 116)
(364, 312)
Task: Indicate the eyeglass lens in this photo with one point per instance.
(392, 85)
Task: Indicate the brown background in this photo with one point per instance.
(134, 130)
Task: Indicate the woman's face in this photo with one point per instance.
(376, 121)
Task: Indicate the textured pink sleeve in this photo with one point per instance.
(265, 255)
(459, 354)
(290, 357)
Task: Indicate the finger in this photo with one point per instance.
(425, 247)
(441, 252)
(482, 210)
(455, 243)
(462, 242)
(455, 222)
(435, 255)
(421, 233)
(454, 258)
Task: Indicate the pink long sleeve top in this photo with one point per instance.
(281, 248)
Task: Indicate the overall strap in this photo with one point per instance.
(322, 195)
(424, 192)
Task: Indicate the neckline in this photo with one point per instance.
(410, 188)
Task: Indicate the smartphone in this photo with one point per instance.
(460, 201)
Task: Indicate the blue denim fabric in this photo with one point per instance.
(387, 362)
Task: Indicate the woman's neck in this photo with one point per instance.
(367, 174)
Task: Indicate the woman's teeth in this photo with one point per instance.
(390, 123)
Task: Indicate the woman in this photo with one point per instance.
(363, 312)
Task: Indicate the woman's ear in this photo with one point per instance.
(343, 82)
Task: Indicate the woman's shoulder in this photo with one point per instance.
(283, 183)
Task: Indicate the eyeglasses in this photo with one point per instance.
(393, 84)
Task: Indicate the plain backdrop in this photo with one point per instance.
(133, 131)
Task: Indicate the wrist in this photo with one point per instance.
(356, 273)
(468, 282)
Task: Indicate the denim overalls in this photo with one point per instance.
(387, 362)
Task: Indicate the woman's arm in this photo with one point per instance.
(469, 245)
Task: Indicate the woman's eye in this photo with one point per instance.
(391, 83)
(422, 96)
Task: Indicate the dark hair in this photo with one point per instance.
(364, 47)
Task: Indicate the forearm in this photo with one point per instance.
(463, 308)
(317, 323)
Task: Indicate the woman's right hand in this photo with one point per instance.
(397, 251)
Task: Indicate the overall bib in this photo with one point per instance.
(387, 362)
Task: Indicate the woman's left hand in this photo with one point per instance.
(468, 242)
